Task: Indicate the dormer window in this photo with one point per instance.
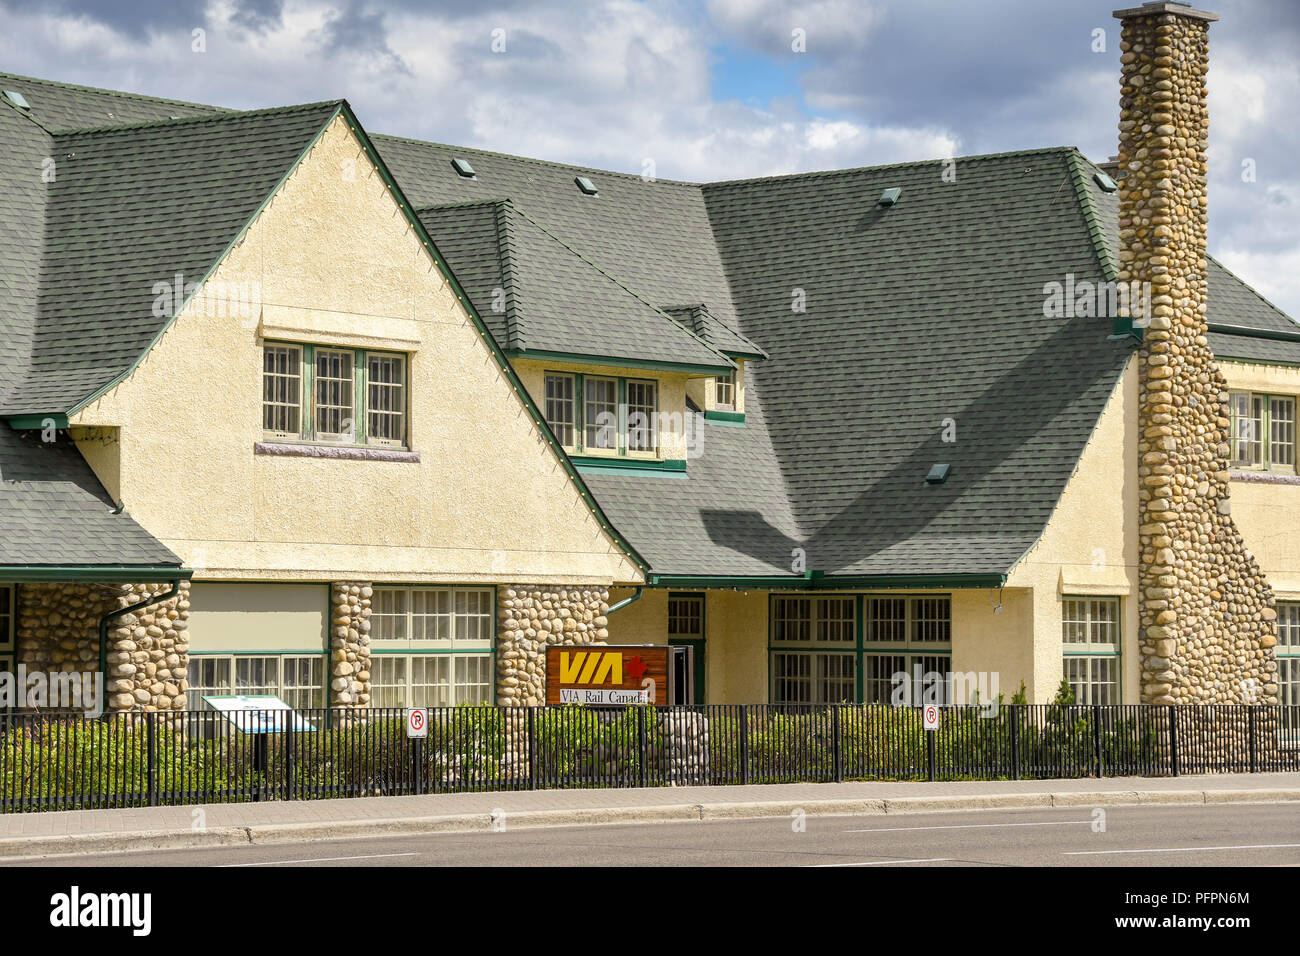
(724, 392)
(603, 414)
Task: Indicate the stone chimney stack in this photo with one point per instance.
(1208, 624)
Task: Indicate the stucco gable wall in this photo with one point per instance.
(336, 262)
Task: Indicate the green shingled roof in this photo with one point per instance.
(538, 295)
(881, 326)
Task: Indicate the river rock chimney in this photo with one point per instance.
(1207, 618)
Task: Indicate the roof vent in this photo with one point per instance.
(1105, 182)
(17, 99)
(586, 185)
(890, 196)
(938, 474)
(463, 168)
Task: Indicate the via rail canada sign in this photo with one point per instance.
(609, 675)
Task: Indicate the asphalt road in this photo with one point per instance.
(1224, 835)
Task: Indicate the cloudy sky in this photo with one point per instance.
(711, 89)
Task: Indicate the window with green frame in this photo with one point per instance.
(1090, 635)
(1288, 652)
(8, 626)
(814, 651)
(1262, 431)
(297, 679)
(906, 640)
(431, 646)
(331, 395)
(602, 414)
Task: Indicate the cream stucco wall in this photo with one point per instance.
(337, 262)
(1090, 547)
(1268, 512)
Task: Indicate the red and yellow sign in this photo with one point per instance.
(609, 675)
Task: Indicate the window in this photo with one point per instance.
(642, 416)
(431, 647)
(1262, 431)
(1288, 653)
(8, 624)
(1091, 638)
(602, 414)
(386, 406)
(686, 615)
(332, 395)
(282, 390)
(560, 407)
(826, 671)
(724, 392)
(907, 645)
(298, 680)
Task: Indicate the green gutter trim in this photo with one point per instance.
(725, 418)
(25, 422)
(239, 237)
(617, 362)
(671, 468)
(89, 573)
(815, 581)
(1275, 334)
(504, 363)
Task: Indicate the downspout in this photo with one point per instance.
(626, 601)
(103, 629)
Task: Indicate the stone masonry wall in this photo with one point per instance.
(350, 643)
(529, 619)
(148, 649)
(1207, 615)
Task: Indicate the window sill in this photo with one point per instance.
(336, 452)
(1264, 477)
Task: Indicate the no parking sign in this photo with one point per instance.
(930, 717)
(417, 722)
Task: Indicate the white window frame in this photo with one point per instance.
(642, 418)
(290, 403)
(430, 679)
(802, 625)
(724, 392)
(557, 404)
(1262, 432)
(226, 683)
(1287, 652)
(599, 417)
(394, 409)
(1092, 639)
(444, 630)
(907, 633)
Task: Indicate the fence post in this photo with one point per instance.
(1015, 741)
(641, 746)
(929, 751)
(1254, 753)
(836, 738)
(1096, 739)
(1173, 739)
(744, 744)
(532, 748)
(151, 729)
(288, 757)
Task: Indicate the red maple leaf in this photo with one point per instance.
(636, 667)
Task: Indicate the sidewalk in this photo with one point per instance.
(155, 828)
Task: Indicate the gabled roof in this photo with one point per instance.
(539, 295)
(54, 514)
(711, 329)
(60, 106)
(134, 207)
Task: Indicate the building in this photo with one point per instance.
(364, 421)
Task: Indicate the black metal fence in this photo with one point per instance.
(68, 761)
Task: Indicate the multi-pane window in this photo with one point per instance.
(642, 416)
(386, 401)
(445, 639)
(297, 679)
(342, 396)
(561, 408)
(686, 615)
(1288, 652)
(600, 413)
(282, 390)
(8, 611)
(824, 669)
(1091, 638)
(603, 414)
(1262, 431)
(724, 392)
(906, 649)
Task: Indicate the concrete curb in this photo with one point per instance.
(80, 844)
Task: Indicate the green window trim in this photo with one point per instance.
(1250, 411)
(360, 370)
(1075, 654)
(580, 424)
